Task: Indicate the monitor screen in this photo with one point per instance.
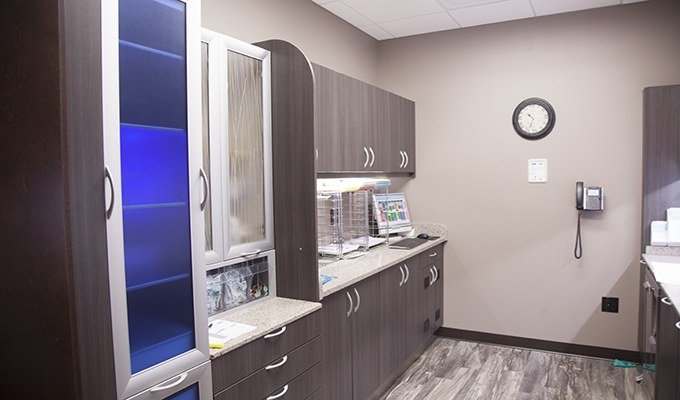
(391, 212)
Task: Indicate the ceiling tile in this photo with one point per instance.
(390, 10)
(347, 13)
(545, 7)
(493, 12)
(377, 32)
(423, 24)
(453, 4)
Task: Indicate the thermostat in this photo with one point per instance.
(537, 170)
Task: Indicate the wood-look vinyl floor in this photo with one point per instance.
(454, 369)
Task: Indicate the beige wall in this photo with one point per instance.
(323, 37)
(509, 263)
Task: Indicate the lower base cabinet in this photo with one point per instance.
(667, 382)
(351, 358)
(374, 326)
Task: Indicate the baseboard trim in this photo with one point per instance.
(537, 344)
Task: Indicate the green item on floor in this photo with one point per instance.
(624, 364)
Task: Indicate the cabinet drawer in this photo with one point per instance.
(301, 387)
(269, 378)
(236, 365)
(430, 256)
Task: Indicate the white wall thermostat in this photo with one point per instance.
(537, 170)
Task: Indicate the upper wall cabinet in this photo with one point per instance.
(361, 128)
(236, 148)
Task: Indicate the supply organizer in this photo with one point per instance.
(344, 216)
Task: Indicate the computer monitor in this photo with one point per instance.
(391, 213)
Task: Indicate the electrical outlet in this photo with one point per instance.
(610, 304)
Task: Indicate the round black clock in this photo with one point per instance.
(533, 118)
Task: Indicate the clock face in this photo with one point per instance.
(533, 118)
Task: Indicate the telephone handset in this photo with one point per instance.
(590, 198)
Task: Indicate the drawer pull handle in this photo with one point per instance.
(433, 254)
(251, 253)
(351, 304)
(171, 385)
(643, 262)
(666, 301)
(271, 335)
(276, 396)
(278, 364)
(677, 324)
(356, 308)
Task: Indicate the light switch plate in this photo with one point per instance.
(537, 170)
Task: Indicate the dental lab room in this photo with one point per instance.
(340, 200)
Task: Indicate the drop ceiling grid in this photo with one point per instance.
(387, 19)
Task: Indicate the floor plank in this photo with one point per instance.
(454, 369)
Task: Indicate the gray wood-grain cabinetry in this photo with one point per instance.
(660, 168)
(667, 381)
(373, 328)
(400, 315)
(352, 341)
(361, 128)
(337, 347)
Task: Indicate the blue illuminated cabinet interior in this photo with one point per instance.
(155, 192)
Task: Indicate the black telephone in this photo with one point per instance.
(590, 198)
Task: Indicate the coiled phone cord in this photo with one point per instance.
(578, 247)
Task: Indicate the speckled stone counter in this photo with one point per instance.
(351, 271)
(662, 251)
(673, 291)
(267, 316)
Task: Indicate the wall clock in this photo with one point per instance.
(533, 118)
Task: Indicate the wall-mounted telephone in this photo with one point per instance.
(588, 198)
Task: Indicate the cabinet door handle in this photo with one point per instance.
(367, 157)
(406, 154)
(372, 156)
(432, 278)
(436, 276)
(677, 324)
(316, 154)
(278, 364)
(275, 334)
(643, 262)
(276, 396)
(401, 282)
(351, 304)
(251, 253)
(170, 385)
(666, 301)
(107, 176)
(206, 188)
(408, 273)
(358, 300)
(433, 254)
(403, 159)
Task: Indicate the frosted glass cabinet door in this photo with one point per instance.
(155, 229)
(249, 154)
(237, 147)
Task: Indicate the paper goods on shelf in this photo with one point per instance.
(659, 236)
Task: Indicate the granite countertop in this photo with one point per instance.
(655, 263)
(351, 271)
(266, 316)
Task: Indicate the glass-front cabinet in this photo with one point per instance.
(236, 100)
(236, 94)
(156, 192)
